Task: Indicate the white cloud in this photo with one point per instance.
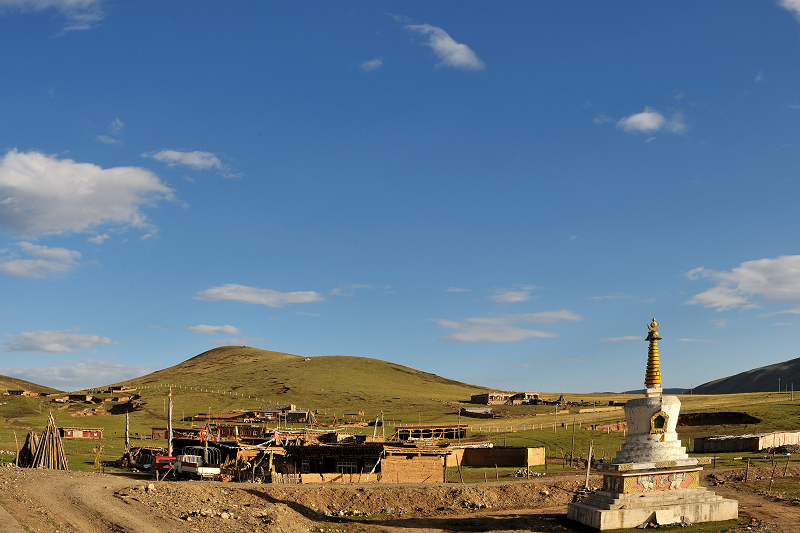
(792, 6)
(759, 77)
(506, 296)
(651, 121)
(79, 374)
(648, 121)
(451, 53)
(43, 195)
(196, 160)
(503, 328)
(213, 330)
(457, 289)
(750, 284)
(46, 261)
(706, 341)
(254, 295)
(54, 341)
(626, 338)
(372, 64)
(81, 14)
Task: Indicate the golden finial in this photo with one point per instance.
(652, 378)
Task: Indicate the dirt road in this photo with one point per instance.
(75, 502)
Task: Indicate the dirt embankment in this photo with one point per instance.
(75, 502)
(52, 501)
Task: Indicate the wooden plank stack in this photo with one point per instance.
(25, 455)
(50, 450)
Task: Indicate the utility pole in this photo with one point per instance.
(555, 420)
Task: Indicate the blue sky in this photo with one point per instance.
(504, 194)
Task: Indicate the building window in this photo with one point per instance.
(305, 466)
(346, 466)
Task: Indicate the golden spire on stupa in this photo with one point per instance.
(652, 378)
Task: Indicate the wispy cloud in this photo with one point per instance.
(705, 341)
(105, 139)
(759, 77)
(53, 341)
(793, 6)
(457, 289)
(351, 288)
(750, 284)
(78, 374)
(626, 338)
(617, 296)
(115, 128)
(99, 239)
(214, 330)
(651, 121)
(503, 328)
(372, 64)
(240, 341)
(450, 53)
(44, 195)
(195, 160)
(254, 295)
(80, 14)
(42, 262)
(519, 294)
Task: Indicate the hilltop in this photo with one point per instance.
(762, 379)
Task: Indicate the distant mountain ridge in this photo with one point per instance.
(762, 379)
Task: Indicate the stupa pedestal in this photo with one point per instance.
(651, 478)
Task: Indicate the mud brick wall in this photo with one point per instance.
(338, 478)
(413, 469)
(499, 455)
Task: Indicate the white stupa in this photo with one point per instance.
(652, 477)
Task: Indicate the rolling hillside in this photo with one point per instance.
(763, 379)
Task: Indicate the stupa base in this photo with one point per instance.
(609, 510)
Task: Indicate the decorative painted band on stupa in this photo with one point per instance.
(652, 377)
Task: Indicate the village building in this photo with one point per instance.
(745, 443)
(505, 398)
(80, 397)
(22, 392)
(361, 463)
(435, 432)
(81, 433)
(491, 456)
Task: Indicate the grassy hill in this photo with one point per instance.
(763, 379)
(8, 383)
(240, 377)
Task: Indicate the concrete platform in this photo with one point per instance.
(607, 510)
